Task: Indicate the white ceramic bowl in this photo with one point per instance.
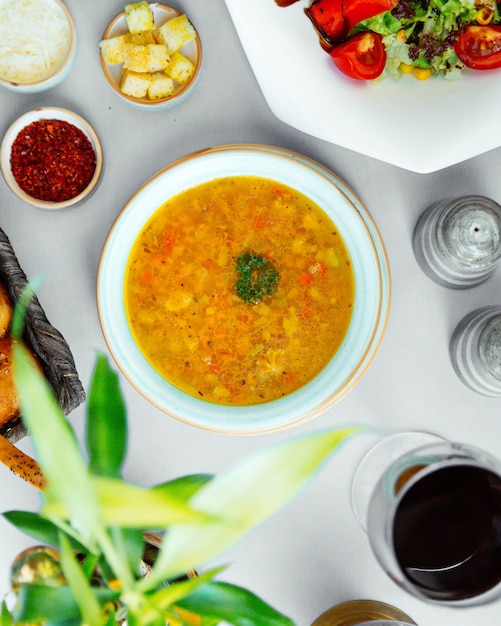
(373, 118)
(60, 70)
(47, 113)
(369, 261)
(192, 50)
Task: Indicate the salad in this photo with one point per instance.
(373, 39)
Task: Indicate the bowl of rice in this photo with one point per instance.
(37, 44)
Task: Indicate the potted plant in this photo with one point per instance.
(97, 522)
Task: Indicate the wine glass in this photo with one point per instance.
(433, 517)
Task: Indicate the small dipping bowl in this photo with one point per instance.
(33, 65)
(192, 50)
(49, 113)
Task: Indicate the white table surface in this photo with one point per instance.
(313, 554)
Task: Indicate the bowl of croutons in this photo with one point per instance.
(151, 54)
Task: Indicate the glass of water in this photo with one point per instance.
(457, 242)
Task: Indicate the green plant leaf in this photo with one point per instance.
(111, 621)
(55, 444)
(242, 498)
(173, 593)
(209, 621)
(76, 621)
(233, 605)
(129, 541)
(129, 506)
(79, 585)
(184, 487)
(41, 529)
(36, 603)
(106, 428)
(5, 616)
(161, 601)
(40, 603)
(89, 563)
(132, 619)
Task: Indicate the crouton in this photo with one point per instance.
(112, 49)
(135, 57)
(152, 64)
(180, 68)
(161, 86)
(141, 39)
(135, 84)
(175, 33)
(139, 17)
(158, 57)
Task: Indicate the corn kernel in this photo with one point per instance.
(484, 15)
(401, 36)
(421, 73)
(405, 68)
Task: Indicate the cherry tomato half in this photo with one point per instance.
(355, 11)
(362, 56)
(328, 19)
(479, 47)
(333, 19)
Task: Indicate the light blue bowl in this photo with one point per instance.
(370, 266)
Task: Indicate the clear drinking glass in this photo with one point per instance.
(475, 350)
(362, 613)
(457, 242)
(434, 519)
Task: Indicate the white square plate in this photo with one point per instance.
(422, 126)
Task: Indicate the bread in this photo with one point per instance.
(161, 86)
(135, 57)
(112, 49)
(139, 17)
(158, 57)
(180, 68)
(142, 39)
(5, 310)
(135, 84)
(21, 464)
(175, 33)
(16, 460)
(9, 401)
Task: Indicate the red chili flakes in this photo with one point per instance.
(52, 160)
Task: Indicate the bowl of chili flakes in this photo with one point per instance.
(51, 158)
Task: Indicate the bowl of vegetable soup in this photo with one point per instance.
(243, 289)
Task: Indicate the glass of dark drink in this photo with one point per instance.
(434, 520)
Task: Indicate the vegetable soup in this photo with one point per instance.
(239, 290)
